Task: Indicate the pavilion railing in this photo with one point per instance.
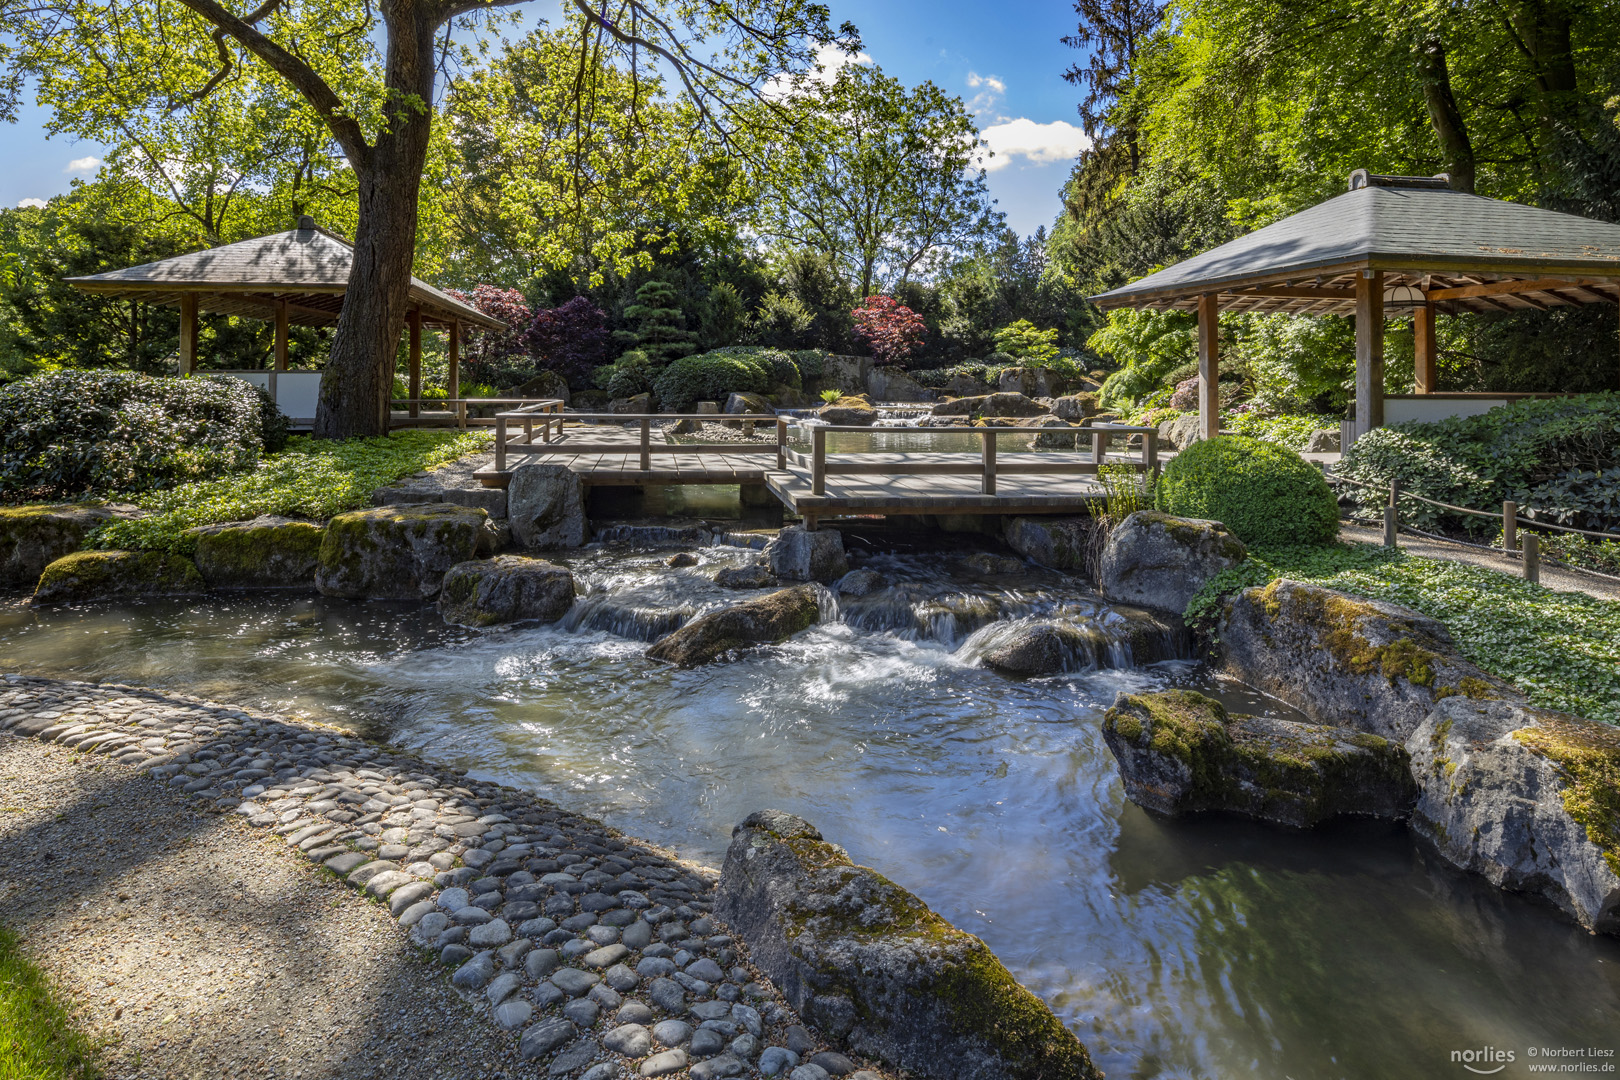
(456, 412)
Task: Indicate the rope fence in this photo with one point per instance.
(1525, 548)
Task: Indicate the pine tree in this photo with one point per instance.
(660, 325)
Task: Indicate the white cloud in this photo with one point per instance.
(83, 165)
(37, 204)
(829, 59)
(989, 82)
(1038, 144)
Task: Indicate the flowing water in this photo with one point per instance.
(1204, 948)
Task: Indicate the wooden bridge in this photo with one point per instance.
(626, 450)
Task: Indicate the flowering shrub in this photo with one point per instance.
(890, 329)
(570, 339)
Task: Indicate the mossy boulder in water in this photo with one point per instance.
(505, 589)
(871, 967)
(89, 577)
(763, 621)
(848, 412)
(33, 537)
(1158, 561)
(1340, 659)
(1526, 798)
(1060, 543)
(265, 553)
(1043, 647)
(799, 555)
(545, 503)
(397, 552)
(1179, 752)
(1013, 404)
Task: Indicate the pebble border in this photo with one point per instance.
(596, 952)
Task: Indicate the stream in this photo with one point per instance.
(1206, 948)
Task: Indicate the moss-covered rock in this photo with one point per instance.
(505, 589)
(876, 971)
(89, 577)
(848, 412)
(397, 552)
(1527, 798)
(762, 621)
(1061, 543)
(1344, 660)
(1042, 646)
(265, 553)
(1179, 752)
(990, 405)
(1160, 562)
(798, 554)
(33, 537)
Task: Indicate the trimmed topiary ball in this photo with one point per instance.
(1267, 495)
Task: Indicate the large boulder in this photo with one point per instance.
(268, 552)
(90, 577)
(505, 589)
(1341, 659)
(990, 405)
(1323, 441)
(961, 386)
(545, 502)
(1179, 752)
(397, 552)
(800, 555)
(1525, 798)
(893, 384)
(1160, 562)
(1179, 433)
(1042, 647)
(634, 405)
(762, 621)
(1075, 406)
(1060, 543)
(875, 971)
(748, 403)
(33, 537)
(547, 384)
(846, 373)
(848, 412)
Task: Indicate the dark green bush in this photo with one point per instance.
(811, 362)
(1265, 494)
(1558, 458)
(711, 376)
(64, 434)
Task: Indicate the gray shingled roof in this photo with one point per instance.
(303, 264)
(1410, 228)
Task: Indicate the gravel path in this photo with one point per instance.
(1552, 577)
(226, 893)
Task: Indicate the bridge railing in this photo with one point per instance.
(549, 425)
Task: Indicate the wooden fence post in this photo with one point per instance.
(1150, 452)
(500, 444)
(988, 482)
(1510, 525)
(1532, 557)
(1391, 515)
(818, 460)
(646, 445)
(781, 443)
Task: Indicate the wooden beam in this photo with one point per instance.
(188, 334)
(1423, 348)
(1302, 293)
(454, 349)
(414, 320)
(1587, 290)
(281, 335)
(1501, 288)
(1209, 365)
(1369, 351)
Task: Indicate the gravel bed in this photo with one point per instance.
(154, 846)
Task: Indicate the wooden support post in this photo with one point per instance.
(453, 348)
(988, 482)
(646, 445)
(1423, 348)
(500, 444)
(1369, 351)
(1532, 557)
(414, 320)
(1209, 365)
(818, 460)
(781, 443)
(1150, 452)
(1510, 525)
(1392, 515)
(188, 333)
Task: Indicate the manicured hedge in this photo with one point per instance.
(711, 376)
(1262, 492)
(65, 434)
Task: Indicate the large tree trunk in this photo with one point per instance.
(1434, 75)
(1544, 33)
(359, 377)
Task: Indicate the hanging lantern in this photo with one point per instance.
(1403, 298)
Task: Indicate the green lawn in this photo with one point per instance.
(311, 478)
(37, 1038)
(1561, 649)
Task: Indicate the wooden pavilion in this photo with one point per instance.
(298, 277)
(1390, 245)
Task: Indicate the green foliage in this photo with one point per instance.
(309, 479)
(1561, 649)
(810, 362)
(41, 1041)
(1559, 459)
(1147, 345)
(1264, 494)
(660, 330)
(73, 433)
(629, 375)
(1024, 342)
(1600, 555)
(1290, 431)
(830, 396)
(711, 376)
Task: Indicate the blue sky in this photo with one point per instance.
(1004, 59)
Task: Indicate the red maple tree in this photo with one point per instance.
(890, 329)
